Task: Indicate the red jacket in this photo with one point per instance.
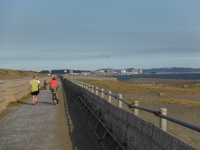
(53, 83)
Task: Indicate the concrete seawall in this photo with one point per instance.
(130, 130)
(13, 90)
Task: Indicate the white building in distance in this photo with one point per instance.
(123, 71)
(102, 71)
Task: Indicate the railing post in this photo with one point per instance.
(163, 122)
(135, 110)
(86, 86)
(92, 89)
(89, 87)
(109, 96)
(97, 92)
(102, 94)
(120, 102)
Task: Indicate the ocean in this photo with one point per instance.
(181, 76)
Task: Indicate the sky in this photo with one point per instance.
(95, 34)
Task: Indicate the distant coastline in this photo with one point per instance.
(179, 76)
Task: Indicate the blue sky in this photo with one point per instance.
(93, 34)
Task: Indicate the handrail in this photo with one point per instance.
(155, 112)
(99, 120)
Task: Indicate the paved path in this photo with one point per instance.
(47, 127)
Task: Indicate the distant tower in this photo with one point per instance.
(110, 71)
(140, 71)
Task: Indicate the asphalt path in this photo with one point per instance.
(46, 126)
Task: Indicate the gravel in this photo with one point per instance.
(30, 127)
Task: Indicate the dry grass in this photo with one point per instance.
(6, 74)
(19, 102)
(127, 87)
(171, 91)
(15, 105)
(180, 101)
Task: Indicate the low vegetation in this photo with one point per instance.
(128, 87)
(162, 90)
(180, 101)
(6, 74)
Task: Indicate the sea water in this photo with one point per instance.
(181, 76)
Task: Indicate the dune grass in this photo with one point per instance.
(6, 74)
(133, 88)
(127, 88)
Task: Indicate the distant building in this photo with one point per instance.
(110, 71)
(71, 72)
(102, 71)
(123, 71)
(140, 71)
(134, 71)
(86, 73)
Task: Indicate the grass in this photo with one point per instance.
(20, 101)
(180, 102)
(11, 105)
(133, 88)
(130, 88)
(6, 74)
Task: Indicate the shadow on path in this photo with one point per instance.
(80, 133)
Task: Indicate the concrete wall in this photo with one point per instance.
(2, 96)
(13, 90)
(129, 129)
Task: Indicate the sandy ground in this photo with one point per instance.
(186, 112)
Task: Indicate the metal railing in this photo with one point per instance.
(120, 146)
(162, 113)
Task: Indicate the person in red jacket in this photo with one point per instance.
(53, 85)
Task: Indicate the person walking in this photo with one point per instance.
(38, 84)
(34, 90)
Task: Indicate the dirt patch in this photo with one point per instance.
(5, 113)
